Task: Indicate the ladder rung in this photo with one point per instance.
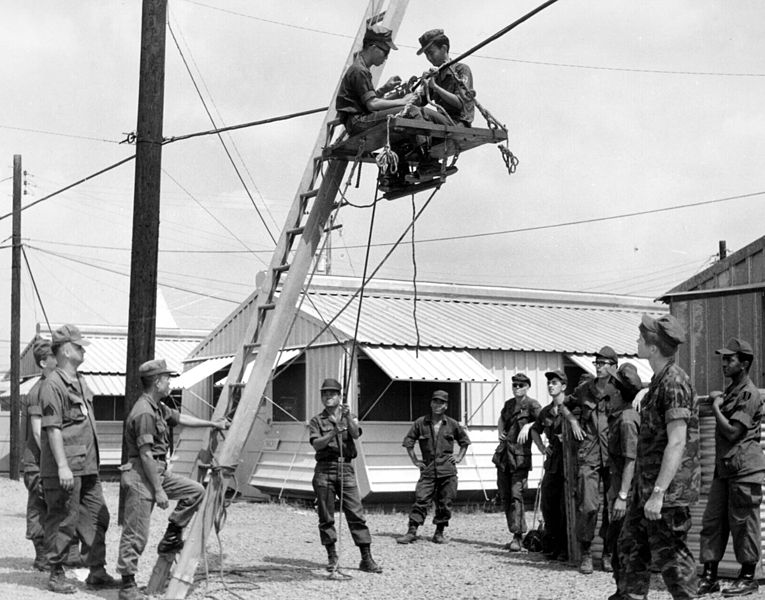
(282, 268)
(326, 229)
(309, 194)
(267, 306)
(236, 384)
(296, 230)
(250, 347)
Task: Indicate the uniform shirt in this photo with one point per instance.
(589, 404)
(670, 396)
(320, 426)
(149, 422)
(550, 422)
(515, 415)
(32, 408)
(623, 427)
(741, 404)
(355, 89)
(458, 79)
(67, 404)
(436, 448)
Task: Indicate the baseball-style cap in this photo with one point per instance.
(440, 395)
(331, 384)
(607, 353)
(666, 326)
(627, 378)
(428, 38)
(557, 374)
(377, 34)
(155, 367)
(41, 349)
(736, 346)
(69, 333)
(521, 378)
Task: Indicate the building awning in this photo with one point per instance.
(200, 372)
(584, 362)
(405, 364)
(283, 358)
(24, 387)
(105, 385)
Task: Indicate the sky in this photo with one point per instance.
(613, 107)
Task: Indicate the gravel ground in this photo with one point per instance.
(273, 551)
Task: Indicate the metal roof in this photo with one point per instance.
(406, 364)
(501, 325)
(108, 354)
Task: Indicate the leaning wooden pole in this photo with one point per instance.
(271, 322)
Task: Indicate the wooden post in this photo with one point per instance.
(148, 166)
(15, 456)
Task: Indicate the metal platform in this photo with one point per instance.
(444, 140)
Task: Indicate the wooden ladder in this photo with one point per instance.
(272, 318)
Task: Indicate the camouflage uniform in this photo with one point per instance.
(513, 470)
(670, 396)
(733, 506)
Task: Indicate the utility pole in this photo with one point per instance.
(148, 170)
(15, 319)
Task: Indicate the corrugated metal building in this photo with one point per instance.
(104, 372)
(471, 340)
(725, 300)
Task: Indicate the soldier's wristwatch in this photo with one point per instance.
(622, 496)
(658, 490)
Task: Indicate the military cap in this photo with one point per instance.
(666, 326)
(41, 349)
(331, 384)
(736, 346)
(607, 353)
(440, 395)
(69, 333)
(557, 374)
(428, 38)
(521, 378)
(155, 367)
(627, 378)
(377, 34)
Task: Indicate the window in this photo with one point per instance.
(109, 408)
(381, 399)
(289, 393)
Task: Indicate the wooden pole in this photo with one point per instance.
(15, 456)
(148, 165)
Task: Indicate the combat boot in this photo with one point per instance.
(368, 563)
(58, 583)
(172, 541)
(743, 586)
(131, 592)
(99, 579)
(41, 560)
(708, 583)
(516, 544)
(409, 536)
(585, 566)
(331, 557)
(605, 563)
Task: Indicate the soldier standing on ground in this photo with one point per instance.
(733, 504)
(436, 434)
(332, 433)
(69, 465)
(623, 427)
(146, 478)
(667, 471)
(514, 455)
(553, 486)
(32, 413)
(587, 412)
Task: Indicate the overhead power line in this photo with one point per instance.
(60, 134)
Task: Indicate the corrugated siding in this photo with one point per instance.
(410, 364)
(487, 325)
(710, 322)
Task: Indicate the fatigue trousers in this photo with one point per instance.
(733, 509)
(330, 480)
(139, 502)
(590, 498)
(36, 507)
(611, 546)
(665, 539)
(82, 511)
(430, 489)
(511, 485)
(553, 505)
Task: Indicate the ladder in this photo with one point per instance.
(272, 317)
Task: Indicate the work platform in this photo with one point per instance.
(444, 140)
